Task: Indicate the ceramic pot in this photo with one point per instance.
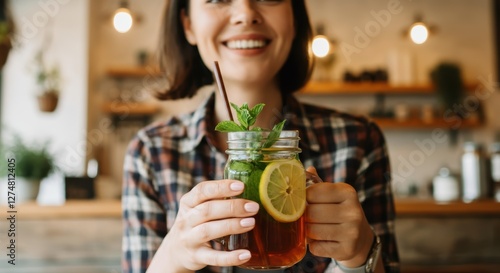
(27, 190)
(48, 102)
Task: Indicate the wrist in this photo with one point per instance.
(164, 260)
(360, 258)
(371, 259)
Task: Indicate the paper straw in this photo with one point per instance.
(222, 89)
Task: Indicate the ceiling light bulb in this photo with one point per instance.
(419, 33)
(320, 46)
(122, 21)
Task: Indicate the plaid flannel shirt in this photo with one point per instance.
(166, 159)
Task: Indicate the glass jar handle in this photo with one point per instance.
(312, 178)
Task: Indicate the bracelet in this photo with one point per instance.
(369, 265)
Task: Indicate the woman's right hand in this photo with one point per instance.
(205, 214)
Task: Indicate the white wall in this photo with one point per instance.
(66, 21)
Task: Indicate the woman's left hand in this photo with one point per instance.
(336, 226)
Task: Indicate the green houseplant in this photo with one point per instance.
(48, 80)
(33, 163)
(449, 86)
(450, 91)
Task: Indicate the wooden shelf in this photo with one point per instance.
(463, 268)
(70, 209)
(390, 123)
(133, 72)
(124, 108)
(340, 88)
(429, 207)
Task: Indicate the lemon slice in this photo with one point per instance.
(282, 190)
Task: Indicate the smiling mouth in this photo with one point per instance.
(246, 44)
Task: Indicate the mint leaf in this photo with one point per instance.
(228, 126)
(252, 186)
(236, 107)
(257, 109)
(248, 172)
(243, 115)
(274, 135)
(244, 118)
(242, 166)
(254, 112)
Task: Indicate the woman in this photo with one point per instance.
(174, 198)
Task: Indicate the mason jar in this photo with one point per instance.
(276, 241)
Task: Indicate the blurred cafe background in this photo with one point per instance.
(76, 82)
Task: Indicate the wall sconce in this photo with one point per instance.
(321, 45)
(419, 31)
(323, 49)
(122, 19)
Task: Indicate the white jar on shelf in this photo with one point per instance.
(495, 169)
(474, 177)
(445, 186)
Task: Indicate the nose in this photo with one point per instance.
(245, 13)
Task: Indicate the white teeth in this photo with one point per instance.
(246, 44)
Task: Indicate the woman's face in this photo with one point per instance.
(250, 39)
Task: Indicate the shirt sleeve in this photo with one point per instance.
(373, 185)
(144, 218)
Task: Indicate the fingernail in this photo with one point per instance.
(245, 256)
(237, 186)
(251, 207)
(247, 222)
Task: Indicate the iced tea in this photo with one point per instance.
(273, 244)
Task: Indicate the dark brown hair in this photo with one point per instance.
(181, 62)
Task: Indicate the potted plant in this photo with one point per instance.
(48, 79)
(32, 165)
(450, 91)
(448, 82)
(6, 32)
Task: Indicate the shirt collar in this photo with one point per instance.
(297, 119)
(197, 124)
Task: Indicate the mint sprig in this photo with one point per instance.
(274, 135)
(247, 118)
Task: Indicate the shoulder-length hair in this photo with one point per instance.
(181, 63)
